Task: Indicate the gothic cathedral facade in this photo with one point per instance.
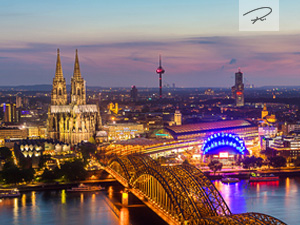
(71, 121)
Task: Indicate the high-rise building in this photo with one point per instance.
(75, 121)
(238, 89)
(18, 102)
(11, 114)
(177, 118)
(133, 94)
(25, 102)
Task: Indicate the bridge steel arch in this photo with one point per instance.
(216, 201)
(183, 193)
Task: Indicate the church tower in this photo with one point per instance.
(78, 93)
(264, 112)
(59, 89)
(72, 122)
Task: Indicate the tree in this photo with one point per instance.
(73, 170)
(297, 161)
(215, 165)
(5, 154)
(277, 161)
(50, 175)
(11, 173)
(259, 162)
(269, 152)
(252, 161)
(43, 160)
(87, 149)
(27, 174)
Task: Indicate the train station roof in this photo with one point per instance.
(187, 129)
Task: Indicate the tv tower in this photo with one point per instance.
(160, 71)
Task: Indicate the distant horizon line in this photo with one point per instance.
(145, 87)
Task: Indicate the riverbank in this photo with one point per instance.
(237, 173)
(245, 174)
(56, 185)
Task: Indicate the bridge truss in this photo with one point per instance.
(179, 194)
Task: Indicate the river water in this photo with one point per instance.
(280, 199)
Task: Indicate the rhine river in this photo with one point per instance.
(280, 199)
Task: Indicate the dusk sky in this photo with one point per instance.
(119, 43)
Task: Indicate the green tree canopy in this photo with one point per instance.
(277, 161)
(215, 166)
(11, 174)
(73, 170)
(252, 161)
(87, 149)
(297, 161)
(5, 154)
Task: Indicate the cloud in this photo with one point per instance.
(187, 60)
(232, 61)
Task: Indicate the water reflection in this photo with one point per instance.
(56, 207)
(110, 192)
(280, 199)
(16, 210)
(63, 197)
(231, 195)
(277, 198)
(124, 216)
(81, 198)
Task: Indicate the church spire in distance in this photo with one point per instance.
(76, 74)
(58, 73)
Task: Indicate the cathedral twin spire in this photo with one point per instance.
(58, 73)
(76, 74)
(59, 90)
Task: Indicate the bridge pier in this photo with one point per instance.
(125, 197)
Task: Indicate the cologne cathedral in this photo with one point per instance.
(71, 121)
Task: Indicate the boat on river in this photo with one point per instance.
(9, 193)
(86, 188)
(263, 177)
(230, 180)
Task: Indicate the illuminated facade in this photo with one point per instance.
(195, 136)
(286, 146)
(74, 122)
(264, 112)
(177, 118)
(123, 131)
(11, 114)
(11, 133)
(225, 146)
(238, 89)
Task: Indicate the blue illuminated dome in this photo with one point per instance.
(220, 141)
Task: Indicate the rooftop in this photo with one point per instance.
(202, 127)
